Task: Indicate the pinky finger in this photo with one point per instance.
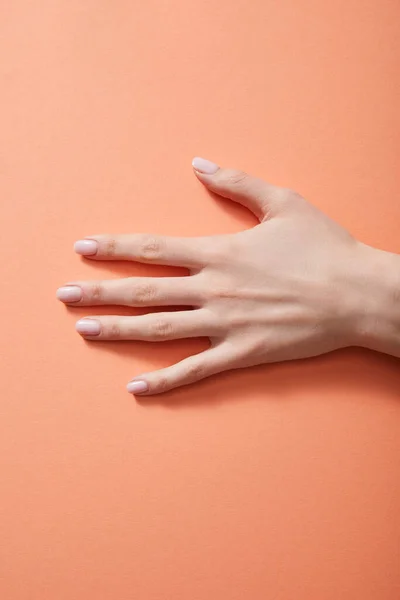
(192, 369)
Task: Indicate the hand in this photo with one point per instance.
(289, 288)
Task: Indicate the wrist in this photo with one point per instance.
(374, 284)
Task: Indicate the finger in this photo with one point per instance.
(145, 248)
(133, 291)
(192, 369)
(157, 327)
(260, 197)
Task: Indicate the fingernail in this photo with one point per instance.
(88, 326)
(204, 166)
(86, 247)
(69, 293)
(137, 387)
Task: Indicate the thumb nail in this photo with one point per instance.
(204, 166)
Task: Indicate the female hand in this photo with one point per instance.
(295, 286)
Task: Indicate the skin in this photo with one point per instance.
(296, 285)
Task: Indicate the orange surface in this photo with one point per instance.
(272, 483)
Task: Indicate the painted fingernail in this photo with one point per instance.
(86, 247)
(69, 293)
(88, 327)
(204, 166)
(137, 387)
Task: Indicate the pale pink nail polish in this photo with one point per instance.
(69, 293)
(204, 166)
(88, 327)
(137, 387)
(86, 247)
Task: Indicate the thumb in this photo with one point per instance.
(262, 198)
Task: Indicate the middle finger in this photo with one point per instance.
(153, 327)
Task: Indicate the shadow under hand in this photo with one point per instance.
(243, 217)
(342, 373)
(114, 269)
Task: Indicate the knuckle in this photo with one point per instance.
(162, 385)
(114, 331)
(236, 321)
(195, 371)
(144, 293)
(110, 247)
(161, 329)
(96, 292)
(221, 290)
(217, 254)
(217, 292)
(150, 247)
(222, 250)
(253, 352)
(235, 177)
(287, 196)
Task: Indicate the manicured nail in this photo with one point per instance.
(137, 387)
(86, 247)
(204, 166)
(88, 327)
(69, 293)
